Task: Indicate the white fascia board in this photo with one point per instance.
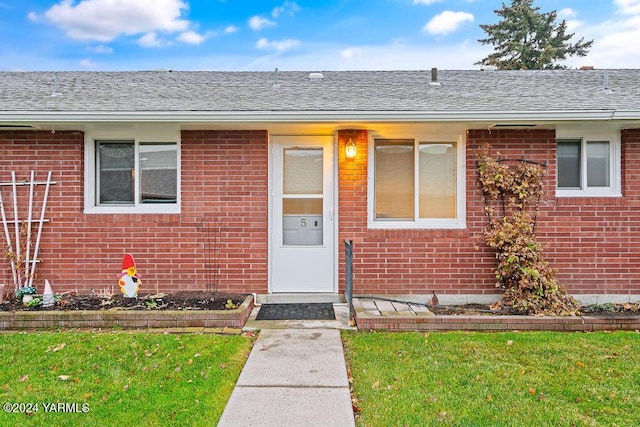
(311, 116)
(626, 115)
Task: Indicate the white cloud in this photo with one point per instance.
(567, 13)
(279, 46)
(87, 63)
(102, 49)
(447, 22)
(151, 40)
(231, 29)
(105, 20)
(349, 53)
(288, 7)
(258, 23)
(615, 44)
(615, 39)
(572, 24)
(191, 37)
(426, 2)
(392, 56)
(629, 7)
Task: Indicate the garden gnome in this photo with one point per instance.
(47, 295)
(130, 280)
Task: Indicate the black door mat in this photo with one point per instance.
(304, 311)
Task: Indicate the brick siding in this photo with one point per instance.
(224, 181)
(593, 242)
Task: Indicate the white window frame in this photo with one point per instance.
(158, 135)
(615, 178)
(459, 222)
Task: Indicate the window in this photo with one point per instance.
(131, 176)
(588, 167)
(417, 184)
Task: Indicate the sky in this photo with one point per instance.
(291, 35)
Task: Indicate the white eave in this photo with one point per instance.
(19, 117)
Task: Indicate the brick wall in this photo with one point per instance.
(224, 182)
(593, 242)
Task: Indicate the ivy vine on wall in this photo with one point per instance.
(512, 190)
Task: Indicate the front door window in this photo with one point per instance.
(302, 196)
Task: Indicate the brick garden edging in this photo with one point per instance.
(128, 319)
(495, 323)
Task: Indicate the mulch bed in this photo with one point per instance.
(600, 310)
(175, 301)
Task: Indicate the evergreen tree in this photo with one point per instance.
(526, 39)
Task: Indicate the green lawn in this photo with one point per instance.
(495, 379)
(118, 378)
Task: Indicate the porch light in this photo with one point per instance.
(350, 149)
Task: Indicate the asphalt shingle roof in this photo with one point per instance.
(354, 91)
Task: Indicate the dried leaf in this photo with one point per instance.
(56, 348)
(489, 398)
(580, 364)
(24, 378)
(63, 377)
(178, 368)
(532, 391)
(147, 353)
(126, 387)
(354, 406)
(375, 385)
(510, 342)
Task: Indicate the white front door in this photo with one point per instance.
(302, 225)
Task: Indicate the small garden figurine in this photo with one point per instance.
(47, 296)
(130, 279)
(26, 294)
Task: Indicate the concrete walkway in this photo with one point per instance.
(293, 377)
